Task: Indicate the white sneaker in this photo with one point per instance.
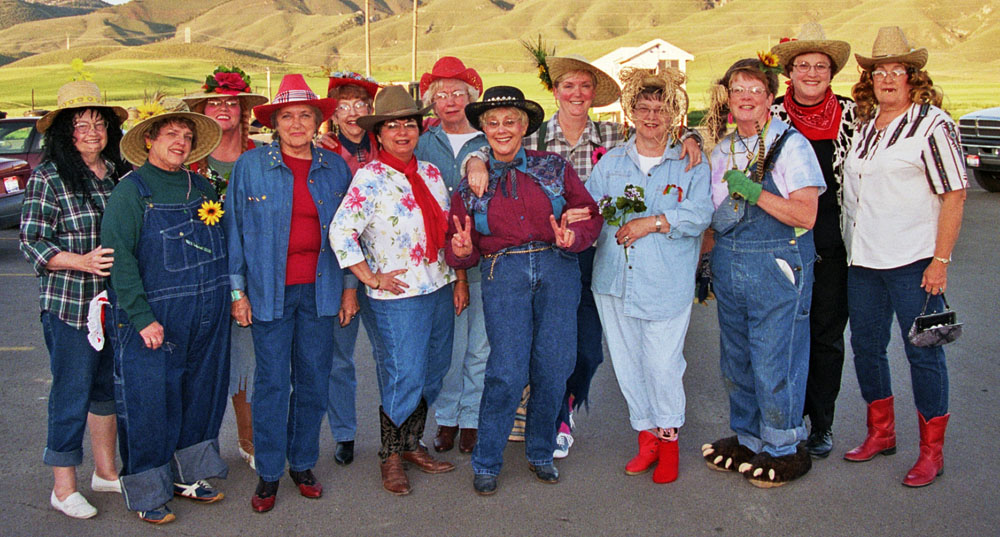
(99, 484)
(75, 505)
(563, 442)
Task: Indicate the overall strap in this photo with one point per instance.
(541, 144)
(136, 178)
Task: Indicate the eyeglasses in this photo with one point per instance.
(360, 107)
(643, 110)
(394, 126)
(805, 67)
(83, 127)
(217, 103)
(756, 91)
(895, 73)
(444, 95)
(508, 123)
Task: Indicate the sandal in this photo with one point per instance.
(246, 452)
(726, 454)
(765, 471)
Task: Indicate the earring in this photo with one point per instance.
(148, 146)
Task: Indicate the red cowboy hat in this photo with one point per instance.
(451, 67)
(346, 78)
(294, 90)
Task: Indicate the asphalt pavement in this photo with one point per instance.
(594, 496)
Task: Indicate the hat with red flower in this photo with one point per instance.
(226, 81)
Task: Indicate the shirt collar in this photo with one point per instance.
(319, 156)
(589, 131)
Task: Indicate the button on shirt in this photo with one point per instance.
(892, 181)
(657, 281)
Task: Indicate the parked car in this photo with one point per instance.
(981, 143)
(20, 140)
(14, 174)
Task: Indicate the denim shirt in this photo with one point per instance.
(657, 281)
(258, 221)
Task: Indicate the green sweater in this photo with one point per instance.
(122, 227)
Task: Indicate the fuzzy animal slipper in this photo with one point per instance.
(765, 471)
(726, 454)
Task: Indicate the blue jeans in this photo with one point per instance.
(462, 389)
(530, 306)
(872, 298)
(82, 382)
(416, 334)
(589, 350)
(341, 411)
(290, 384)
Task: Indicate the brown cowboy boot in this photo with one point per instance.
(415, 453)
(393, 474)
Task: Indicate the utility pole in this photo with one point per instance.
(413, 63)
(368, 43)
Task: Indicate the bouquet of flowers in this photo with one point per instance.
(614, 210)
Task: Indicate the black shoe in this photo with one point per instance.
(820, 443)
(484, 484)
(546, 473)
(344, 454)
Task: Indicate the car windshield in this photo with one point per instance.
(14, 138)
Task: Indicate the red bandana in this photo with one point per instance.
(817, 122)
(435, 223)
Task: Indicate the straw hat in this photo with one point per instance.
(233, 82)
(393, 102)
(505, 97)
(812, 39)
(207, 132)
(607, 90)
(891, 46)
(78, 94)
(294, 90)
(451, 67)
(634, 80)
(348, 78)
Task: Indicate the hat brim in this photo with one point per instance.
(536, 114)
(469, 76)
(45, 122)
(368, 122)
(607, 90)
(263, 112)
(208, 134)
(247, 100)
(370, 87)
(915, 58)
(838, 51)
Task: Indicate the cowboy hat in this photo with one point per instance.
(393, 102)
(505, 97)
(207, 132)
(294, 90)
(451, 67)
(607, 90)
(891, 46)
(78, 94)
(812, 39)
(226, 81)
(347, 78)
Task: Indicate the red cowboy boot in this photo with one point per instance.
(881, 437)
(930, 463)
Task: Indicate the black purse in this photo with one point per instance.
(935, 329)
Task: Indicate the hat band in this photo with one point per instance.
(81, 99)
(501, 98)
(293, 96)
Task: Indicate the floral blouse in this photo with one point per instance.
(379, 222)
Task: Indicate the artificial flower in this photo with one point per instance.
(210, 212)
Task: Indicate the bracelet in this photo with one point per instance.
(378, 282)
(943, 260)
(464, 280)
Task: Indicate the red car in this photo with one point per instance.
(14, 174)
(20, 140)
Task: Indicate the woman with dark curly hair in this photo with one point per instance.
(904, 191)
(60, 236)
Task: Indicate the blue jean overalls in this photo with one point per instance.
(764, 325)
(171, 401)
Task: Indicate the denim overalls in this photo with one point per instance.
(764, 324)
(171, 401)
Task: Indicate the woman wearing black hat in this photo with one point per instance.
(531, 282)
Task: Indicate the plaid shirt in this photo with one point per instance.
(597, 134)
(54, 220)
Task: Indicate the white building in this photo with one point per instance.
(655, 53)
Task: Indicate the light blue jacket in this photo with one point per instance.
(657, 282)
(258, 221)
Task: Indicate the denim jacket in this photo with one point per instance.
(657, 281)
(258, 221)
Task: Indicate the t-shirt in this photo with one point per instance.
(458, 141)
(305, 237)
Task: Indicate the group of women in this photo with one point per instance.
(474, 250)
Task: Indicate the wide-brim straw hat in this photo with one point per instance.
(505, 97)
(294, 90)
(350, 78)
(78, 94)
(207, 132)
(393, 102)
(811, 38)
(607, 90)
(891, 46)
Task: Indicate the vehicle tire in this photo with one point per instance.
(990, 181)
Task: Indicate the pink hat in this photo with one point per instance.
(293, 90)
(451, 67)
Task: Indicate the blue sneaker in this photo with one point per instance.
(160, 515)
(199, 491)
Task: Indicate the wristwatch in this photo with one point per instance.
(659, 223)
(235, 295)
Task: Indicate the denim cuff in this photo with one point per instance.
(149, 489)
(64, 458)
(102, 408)
(200, 461)
(540, 462)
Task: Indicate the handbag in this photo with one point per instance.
(935, 329)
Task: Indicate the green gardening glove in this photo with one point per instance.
(741, 185)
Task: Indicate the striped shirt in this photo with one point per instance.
(892, 181)
(54, 220)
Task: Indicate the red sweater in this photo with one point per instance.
(305, 237)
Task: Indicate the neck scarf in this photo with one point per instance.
(360, 150)
(817, 122)
(435, 223)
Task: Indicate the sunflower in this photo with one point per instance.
(768, 62)
(210, 212)
(148, 110)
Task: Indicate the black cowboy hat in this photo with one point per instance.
(505, 97)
